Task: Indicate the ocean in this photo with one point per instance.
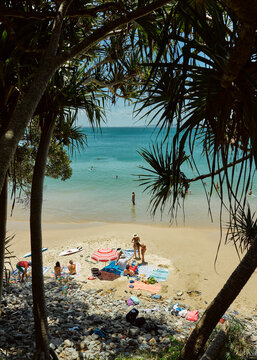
(104, 176)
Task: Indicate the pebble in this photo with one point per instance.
(72, 320)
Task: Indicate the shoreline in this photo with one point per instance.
(188, 253)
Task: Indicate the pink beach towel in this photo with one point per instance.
(148, 287)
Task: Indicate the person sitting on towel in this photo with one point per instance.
(57, 269)
(130, 270)
(119, 252)
(72, 268)
(122, 262)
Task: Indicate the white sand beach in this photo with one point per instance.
(188, 253)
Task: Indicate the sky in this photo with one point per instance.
(118, 115)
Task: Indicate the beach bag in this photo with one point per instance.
(134, 299)
(131, 316)
(140, 321)
(95, 272)
(130, 302)
(192, 315)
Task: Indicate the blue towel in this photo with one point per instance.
(160, 274)
(112, 268)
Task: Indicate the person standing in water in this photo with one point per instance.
(133, 198)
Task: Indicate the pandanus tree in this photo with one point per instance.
(58, 31)
(203, 85)
(59, 112)
(67, 93)
(43, 37)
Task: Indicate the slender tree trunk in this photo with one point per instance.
(39, 308)
(3, 220)
(194, 346)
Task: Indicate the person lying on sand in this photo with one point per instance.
(130, 270)
(72, 268)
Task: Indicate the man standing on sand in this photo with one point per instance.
(133, 199)
(22, 267)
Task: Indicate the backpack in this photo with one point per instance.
(131, 316)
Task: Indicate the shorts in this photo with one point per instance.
(21, 269)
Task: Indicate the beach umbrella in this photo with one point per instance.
(105, 255)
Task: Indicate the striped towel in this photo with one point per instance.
(160, 274)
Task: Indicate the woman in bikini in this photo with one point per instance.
(57, 269)
(136, 245)
(72, 268)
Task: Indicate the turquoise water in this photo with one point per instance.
(95, 194)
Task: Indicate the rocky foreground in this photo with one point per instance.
(91, 324)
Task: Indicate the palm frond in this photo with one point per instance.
(243, 230)
(162, 182)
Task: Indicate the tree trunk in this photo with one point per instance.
(216, 345)
(23, 113)
(3, 219)
(194, 346)
(39, 309)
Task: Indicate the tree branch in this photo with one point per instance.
(92, 12)
(245, 10)
(27, 105)
(204, 176)
(103, 32)
(57, 27)
(108, 86)
(240, 54)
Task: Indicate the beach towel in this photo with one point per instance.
(151, 288)
(146, 270)
(160, 274)
(112, 268)
(128, 252)
(105, 275)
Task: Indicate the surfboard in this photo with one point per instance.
(70, 251)
(29, 254)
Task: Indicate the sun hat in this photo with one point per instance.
(135, 235)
